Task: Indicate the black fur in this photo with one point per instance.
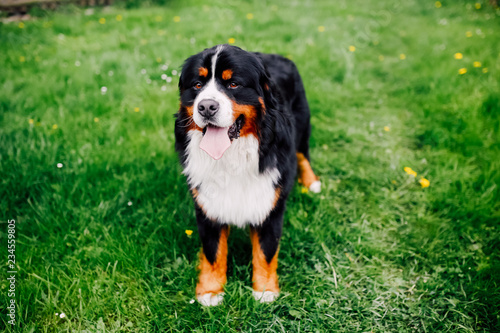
(209, 234)
(283, 125)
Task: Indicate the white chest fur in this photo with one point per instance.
(231, 190)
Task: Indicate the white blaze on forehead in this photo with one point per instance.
(224, 117)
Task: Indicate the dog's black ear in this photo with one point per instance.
(267, 89)
(269, 128)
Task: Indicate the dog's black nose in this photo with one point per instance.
(207, 108)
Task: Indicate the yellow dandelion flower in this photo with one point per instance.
(410, 171)
(158, 18)
(476, 64)
(387, 128)
(144, 41)
(462, 71)
(352, 48)
(158, 60)
(161, 32)
(458, 55)
(31, 121)
(249, 16)
(485, 70)
(136, 109)
(321, 28)
(468, 34)
(477, 5)
(438, 4)
(424, 182)
(37, 59)
(231, 40)
(102, 20)
(119, 17)
(289, 56)
(189, 232)
(96, 120)
(177, 19)
(381, 57)
(402, 56)
(304, 190)
(54, 126)
(21, 25)
(394, 182)
(22, 59)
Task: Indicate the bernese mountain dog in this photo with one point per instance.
(242, 133)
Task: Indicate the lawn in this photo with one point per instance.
(89, 172)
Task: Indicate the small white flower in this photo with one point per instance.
(169, 79)
(62, 315)
(104, 90)
(143, 71)
(163, 88)
(164, 67)
(148, 81)
(60, 36)
(110, 73)
(191, 301)
(192, 40)
(77, 63)
(164, 76)
(59, 165)
(174, 72)
(129, 203)
(57, 314)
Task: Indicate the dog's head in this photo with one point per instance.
(224, 93)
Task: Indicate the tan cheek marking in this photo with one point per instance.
(189, 123)
(227, 74)
(250, 114)
(306, 173)
(265, 276)
(213, 277)
(266, 86)
(203, 71)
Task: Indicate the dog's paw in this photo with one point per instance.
(315, 187)
(265, 296)
(210, 299)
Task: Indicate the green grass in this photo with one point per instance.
(103, 240)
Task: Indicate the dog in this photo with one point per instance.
(242, 133)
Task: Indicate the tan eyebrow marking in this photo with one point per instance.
(227, 74)
(203, 71)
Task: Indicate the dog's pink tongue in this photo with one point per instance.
(215, 141)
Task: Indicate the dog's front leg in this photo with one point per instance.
(265, 243)
(213, 260)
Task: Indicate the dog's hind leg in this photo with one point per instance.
(306, 174)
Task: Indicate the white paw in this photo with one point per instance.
(315, 187)
(210, 299)
(265, 296)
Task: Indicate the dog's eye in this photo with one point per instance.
(233, 85)
(198, 85)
